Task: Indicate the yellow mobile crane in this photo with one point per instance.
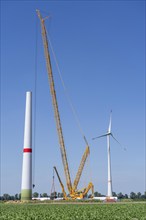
(74, 193)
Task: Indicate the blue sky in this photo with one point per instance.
(100, 48)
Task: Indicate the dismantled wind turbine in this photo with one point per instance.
(108, 134)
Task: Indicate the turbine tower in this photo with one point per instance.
(26, 187)
(108, 134)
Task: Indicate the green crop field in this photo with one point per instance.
(135, 211)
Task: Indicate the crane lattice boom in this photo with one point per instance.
(55, 105)
(78, 175)
(62, 186)
(72, 190)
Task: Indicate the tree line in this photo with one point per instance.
(133, 195)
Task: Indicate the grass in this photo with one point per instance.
(132, 211)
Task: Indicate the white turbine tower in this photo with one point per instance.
(26, 187)
(108, 134)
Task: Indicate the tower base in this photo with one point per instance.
(111, 199)
(26, 194)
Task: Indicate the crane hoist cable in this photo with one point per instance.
(79, 172)
(70, 104)
(66, 92)
(35, 99)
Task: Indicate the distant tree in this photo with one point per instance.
(144, 196)
(35, 195)
(120, 195)
(6, 196)
(138, 195)
(126, 196)
(16, 197)
(58, 194)
(53, 195)
(114, 194)
(61, 195)
(132, 195)
(86, 196)
(44, 195)
(12, 197)
(97, 194)
(89, 196)
(19, 197)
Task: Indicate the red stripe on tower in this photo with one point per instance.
(27, 150)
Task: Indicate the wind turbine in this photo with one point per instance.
(108, 134)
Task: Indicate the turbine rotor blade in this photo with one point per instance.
(104, 135)
(110, 123)
(118, 142)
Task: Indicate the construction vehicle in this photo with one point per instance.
(74, 193)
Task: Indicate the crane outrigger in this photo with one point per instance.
(74, 193)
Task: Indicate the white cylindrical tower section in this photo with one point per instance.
(28, 121)
(26, 187)
(109, 191)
